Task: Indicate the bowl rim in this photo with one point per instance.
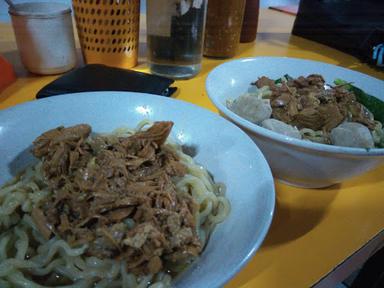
(277, 137)
(256, 244)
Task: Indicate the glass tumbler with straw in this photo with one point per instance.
(175, 31)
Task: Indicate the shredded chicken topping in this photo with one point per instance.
(117, 194)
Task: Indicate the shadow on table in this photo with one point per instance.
(297, 212)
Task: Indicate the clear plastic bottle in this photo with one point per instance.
(175, 31)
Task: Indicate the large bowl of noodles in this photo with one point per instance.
(112, 189)
(296, 161)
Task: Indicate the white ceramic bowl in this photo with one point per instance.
(226, 151)
(295, 161)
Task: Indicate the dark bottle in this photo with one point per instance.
(251, 18)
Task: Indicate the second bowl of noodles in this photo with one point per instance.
(303, 117)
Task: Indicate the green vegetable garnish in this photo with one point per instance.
(278, 81)
(285, 78)
(373, 104)
(288, 77)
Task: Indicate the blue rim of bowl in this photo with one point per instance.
(307, 145)
(270, 202)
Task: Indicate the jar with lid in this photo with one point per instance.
(223, 29)
(175, 31)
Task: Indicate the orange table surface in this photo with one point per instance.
(313, 231)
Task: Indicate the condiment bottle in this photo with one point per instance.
(251, 18)
(224, 22)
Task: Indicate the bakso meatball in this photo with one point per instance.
(281, 127)
(251, 108)
(352, 134)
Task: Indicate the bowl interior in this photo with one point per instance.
(234, 77)
(223, 149)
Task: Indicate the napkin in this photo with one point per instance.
(97, 77)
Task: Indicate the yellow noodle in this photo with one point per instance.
(20, 258)
(314, 136)
(378, 135)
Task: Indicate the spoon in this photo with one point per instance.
(11, 4)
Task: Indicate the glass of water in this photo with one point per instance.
(175, 33)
